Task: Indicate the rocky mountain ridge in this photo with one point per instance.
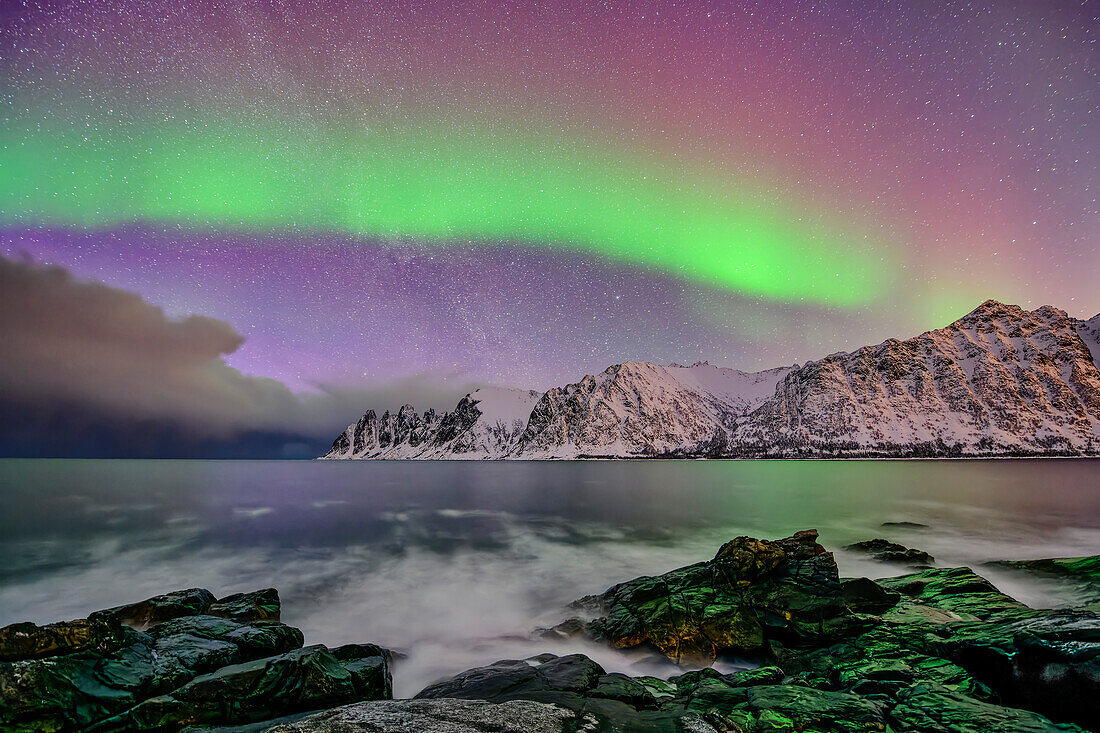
(999, 381)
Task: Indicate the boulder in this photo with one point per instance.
(304, 679)
(103, 673)
(158, 609)
(30, 641)
(752, 591)
(259, 605)
(513, 679)
(611, 702)
(863, 595)
(751, 677)
(891, 552)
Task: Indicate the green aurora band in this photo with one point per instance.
(437, 182)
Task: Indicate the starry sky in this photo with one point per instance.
(522, 193)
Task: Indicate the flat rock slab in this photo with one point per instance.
(438, 716)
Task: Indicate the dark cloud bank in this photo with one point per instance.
(93, 371)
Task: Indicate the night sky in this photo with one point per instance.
(376, 195)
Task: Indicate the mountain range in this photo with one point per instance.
(1000, 381)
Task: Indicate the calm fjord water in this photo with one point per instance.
(453, 562)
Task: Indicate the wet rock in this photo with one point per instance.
(67, 692)
(1084, 572)
(438, 716)
(99, 674)
(787, 708)
(759, 676)
(625, 689)
(369, 665)
(928, 709)
(751, 591)
(608, 702)
(959, 590)
(194, 645)
(30, 641)
(1043, 661)
(513, 679)
(158, 609)
(260, 605)
(304, 679)
(891, 552)
(863, 595)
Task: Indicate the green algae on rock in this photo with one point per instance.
(752, 591)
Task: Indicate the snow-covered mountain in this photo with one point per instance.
(641, 409)
(484, 424)
(999, 381)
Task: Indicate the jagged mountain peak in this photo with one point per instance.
(482, 425)
(995, 309)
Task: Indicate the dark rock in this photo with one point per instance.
(887, 551)
(1084, 572)
(194, 645)
(751, 591)
(690, 681)
(259, 605)
(304, 679)
(1044, 661)
(30, 641)
(571, 628)
(758, 676)
(574, 672)
(927, 709)
(788, 708)
(904, 525)
(863, 595)
(615, 702)
(98, 674)
(158, 609)
(936, 651)
(514, 679)
(66, 693)
(625, 689)
(369, 665)
(959, 590)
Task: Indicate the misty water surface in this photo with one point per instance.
(454, 562)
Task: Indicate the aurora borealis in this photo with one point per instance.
(521, 193)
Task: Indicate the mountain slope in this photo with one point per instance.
(640, 409)
(999, 381)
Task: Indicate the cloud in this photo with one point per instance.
(91, 370)
(435, 389)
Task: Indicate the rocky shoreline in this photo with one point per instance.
(939, 650)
